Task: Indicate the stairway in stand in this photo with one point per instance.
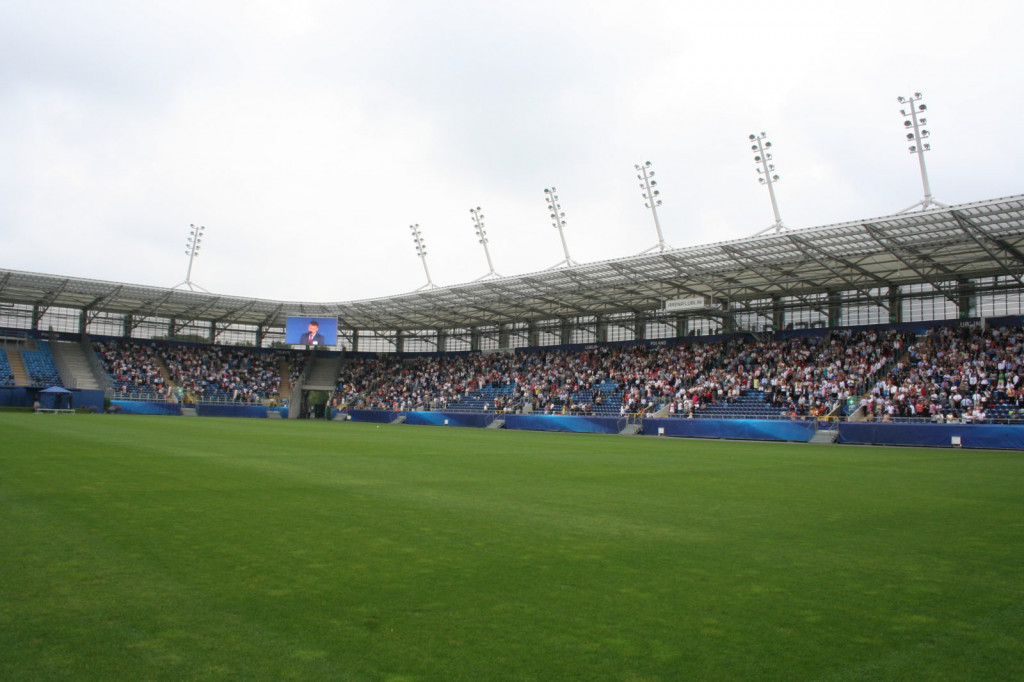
(17, 367)
(76, 362)
(284, 369)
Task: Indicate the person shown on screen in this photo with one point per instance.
(313, 337)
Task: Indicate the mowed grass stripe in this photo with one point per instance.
(165, 548)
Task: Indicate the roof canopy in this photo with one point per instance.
(938, 246)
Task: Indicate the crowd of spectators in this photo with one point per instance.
(132, 367)
(241, 375)
(953, 373)
(193, 373)
(948, 373)
(806, 375)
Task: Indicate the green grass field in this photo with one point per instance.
(138, 548)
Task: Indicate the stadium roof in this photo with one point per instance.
(938, 247)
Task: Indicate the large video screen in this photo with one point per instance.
(311, 331)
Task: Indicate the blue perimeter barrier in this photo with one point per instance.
(470, 419)
(987, 436)
(143, 407)
(248, 411)
(742, 429)
(565, 424)
(746, 429)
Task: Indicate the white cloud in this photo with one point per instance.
(308, 136)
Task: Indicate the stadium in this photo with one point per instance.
(913, 275)
(359, 535)
(790, 453)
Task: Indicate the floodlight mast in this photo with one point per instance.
(766, 175)
(481, 233)
(558, 221)
(916, 136)
(195, 238)
(421, 251)
(650, 194)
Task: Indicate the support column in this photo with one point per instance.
(399, 341)
(532, 334)
(565, 332)
(778, 314)
(835, 310)
(355, 340)
(442, 341)
(965, 297)
(895, 305)
(681, 321)
(639, 325)
(474, 338)
(503, 336)
(728, 318)
(602, 329)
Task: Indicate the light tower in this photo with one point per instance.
(916, 135)
(558, 220)
(421, 251)
(650, 194)
(195, 238)
(481, 233)
(766, 175)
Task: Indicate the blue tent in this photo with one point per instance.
(55, 398)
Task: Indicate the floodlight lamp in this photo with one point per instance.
(910, 136)
(925, 133)
(767, 145)
(654, 183)
(753, 137)
(917, 95)
(775, 177)
(913, 148)
(922, 107)
(753, 147)
(757, 158)
(926, 146)
(761, 180)
(907, 124)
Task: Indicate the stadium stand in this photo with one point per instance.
(41, 368)
(6, 375)
(223, 374)
(134, 369)
(864, 375)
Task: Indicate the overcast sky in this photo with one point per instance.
(307, 136)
